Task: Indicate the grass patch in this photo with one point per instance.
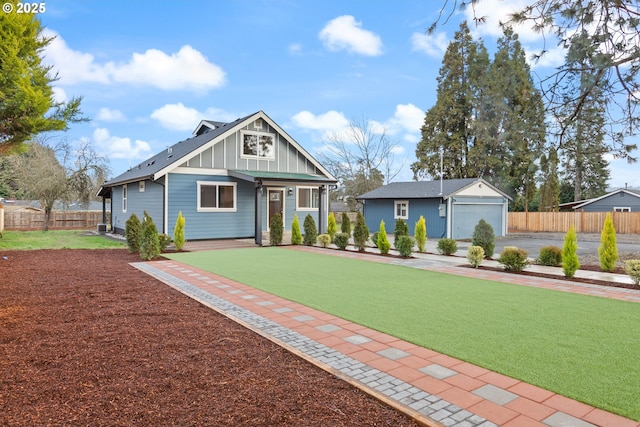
(581, 347)
(56, 239)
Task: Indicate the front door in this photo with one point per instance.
(276, 204)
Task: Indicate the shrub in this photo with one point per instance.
(150, 243)
(275, 229)
(382, 242)
(483, 236)
(550, 255)
(420, 234)
(310, 231)
(608, 249)
(178, 232)
(405, 246)
(345, 226)
(401, 230)
(341, 240)
(164, 240)
(374, 238)
(447, 246)
(296, 236)
(324, 240)
(570, 262)
(475, 255)
(332, 227)
(133, 233)
(632, 268)
(360, 232)
(513, 259)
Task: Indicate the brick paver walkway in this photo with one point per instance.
(434, 388)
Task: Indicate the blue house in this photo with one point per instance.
(228, 180)
(451, 207)
(621, 200)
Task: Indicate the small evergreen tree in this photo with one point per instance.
(341, 240)
(332, 227)
(570, 262)
(178, 232)
(310, 231)
(360, 233)
(296, 236)
(275, 229)
(345, 226)
(382, 240)
(133, 233)
(402, 229)
(405, 246)
(420, 234)
(608, 250)
(150, 242)
(483, 236)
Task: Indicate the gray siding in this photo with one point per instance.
(151, 200)
(376, 210)
(619, 200)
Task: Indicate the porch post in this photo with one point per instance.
(321, 209)
(258, 220)
(104, 209)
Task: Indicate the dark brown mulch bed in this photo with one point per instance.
(86, 339)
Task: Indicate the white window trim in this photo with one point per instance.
(125, 193)
(217, 184)
(395, 209)
(621, 209)
(250, 156)
(304, 208)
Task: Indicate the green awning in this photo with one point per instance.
(279, 176)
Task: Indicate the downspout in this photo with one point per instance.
(321, 192)
(258, 209)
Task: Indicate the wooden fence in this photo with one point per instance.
(584, 222)
(26, 219)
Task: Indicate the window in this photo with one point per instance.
(141, 186)
(258, 144)
(307, 198)
(622, 209)
(401, 209)
(216, 196)
(124, 198)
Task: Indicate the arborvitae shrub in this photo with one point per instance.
(513, 259)
(374, 238)
(608, 249)
(360, 232)
(420, 234)
(133, 233)
(178, 232)
(324, 240)
(296, 236)
(550, 256)
(447, 246)
(164, 240)
(483, 236)
(341, 240)
(310, 231)
(150, 243)
(402, 229)
(570, 262)
(345, 226)
(332, 227)
(632, 268)
(405, 246)
(475, 256)
(275, 229)
(382, 241)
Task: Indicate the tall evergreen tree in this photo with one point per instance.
(550, 187)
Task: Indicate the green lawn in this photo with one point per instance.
(56, 239)
(582, 347)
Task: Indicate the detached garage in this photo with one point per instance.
(451, 207)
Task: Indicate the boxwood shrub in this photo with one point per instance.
(447, 246)
(550, 256)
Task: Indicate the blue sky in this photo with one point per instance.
(149, 71)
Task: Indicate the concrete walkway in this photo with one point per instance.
(434, 388)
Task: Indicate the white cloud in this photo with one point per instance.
(407, 117)
(120, 148)
(552, 58)
(331, 121)
(345, 33)
(295, 48)
(59, 94)
(180, 117)
(187, 69)
(109, 115)
(495, 12)
(433, 45)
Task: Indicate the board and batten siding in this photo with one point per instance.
(376, 210)
(149, 200)
(183, 196)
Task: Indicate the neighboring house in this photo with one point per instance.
(451, 207)
(228, 180)
(621, 200)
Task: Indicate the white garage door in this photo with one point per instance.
(466, 217)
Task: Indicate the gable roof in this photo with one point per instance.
(206, 132)
(633, 193)
(424, 189)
